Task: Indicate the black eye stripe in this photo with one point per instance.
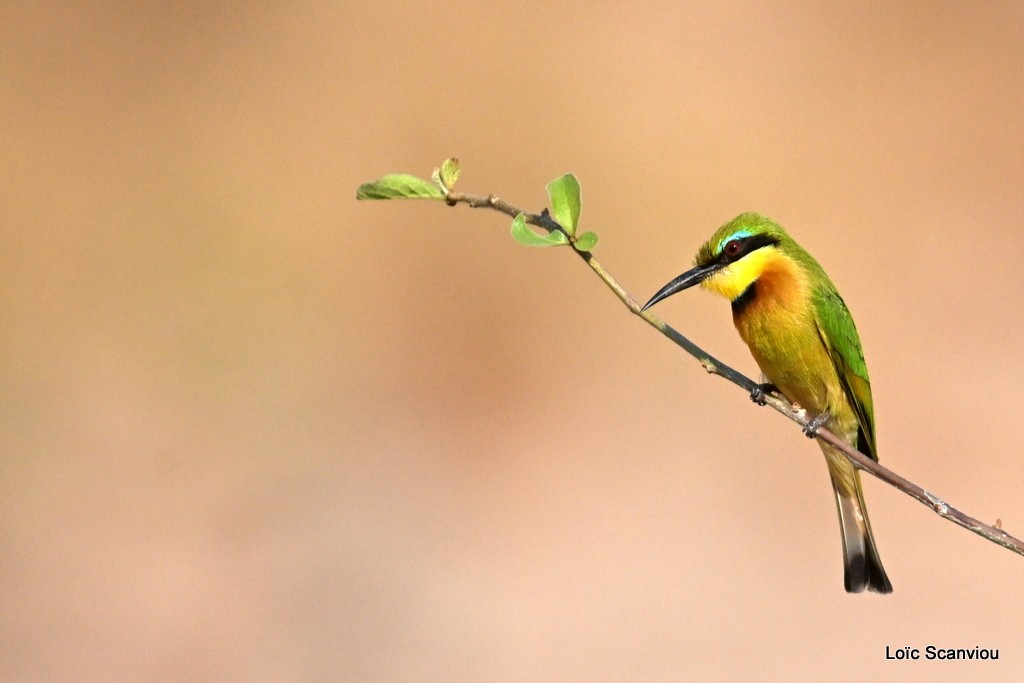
(747, 245)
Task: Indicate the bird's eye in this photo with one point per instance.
(732, 248)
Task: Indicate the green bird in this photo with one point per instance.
(802, 336)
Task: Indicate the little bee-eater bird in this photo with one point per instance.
(802, 336)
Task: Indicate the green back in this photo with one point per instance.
(839, 335)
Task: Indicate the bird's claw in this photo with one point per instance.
(812, 427)
(758, 393)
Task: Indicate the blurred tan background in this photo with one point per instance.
(253, 430)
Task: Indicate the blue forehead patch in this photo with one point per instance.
(738, 235)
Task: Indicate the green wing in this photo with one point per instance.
(839, 335)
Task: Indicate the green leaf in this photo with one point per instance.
(586, 242)
(449, 173)
(399, 186)
(522, 234)
(564, 193)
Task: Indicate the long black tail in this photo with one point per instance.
(863, 567)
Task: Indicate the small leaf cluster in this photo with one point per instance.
(566, 205)
(404, 186)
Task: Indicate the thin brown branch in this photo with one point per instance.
(717, 367)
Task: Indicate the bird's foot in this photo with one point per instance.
(758, 393)
(812, 427)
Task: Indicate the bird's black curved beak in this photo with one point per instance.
(692, 277)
